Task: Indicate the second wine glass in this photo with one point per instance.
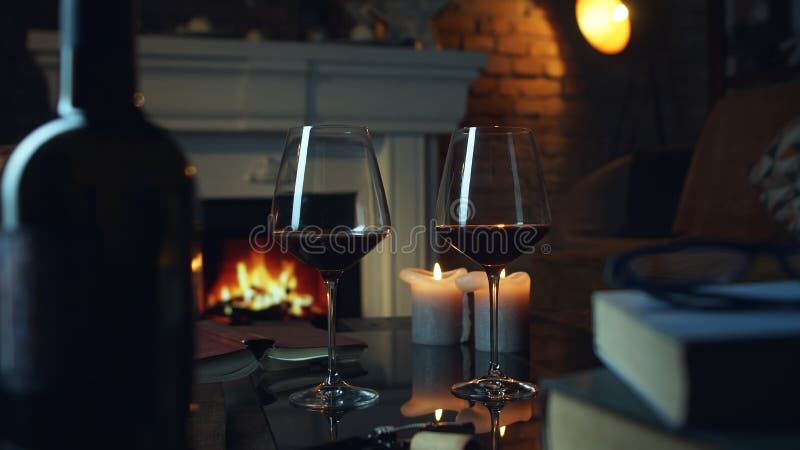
(492, 207)
(329, 210)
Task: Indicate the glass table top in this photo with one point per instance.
(414, 382)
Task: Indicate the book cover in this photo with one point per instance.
(704, 366)
(218, 359)
(595, 409)
(285, 341)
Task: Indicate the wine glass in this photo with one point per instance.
(492, 207)
(329, 210)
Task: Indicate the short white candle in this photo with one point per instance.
(435, 305)
(513, 319)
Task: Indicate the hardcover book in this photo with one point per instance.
(596, 410)
(705, 367)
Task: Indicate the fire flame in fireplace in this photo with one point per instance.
(256, 289)
(236, 281)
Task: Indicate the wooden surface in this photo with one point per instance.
(229, 416)
(207, 417)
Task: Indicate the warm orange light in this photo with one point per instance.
(138, 99)
(619, 13)
(437, 414)
(605, 24)
(502, 431)
(225, 294)
(437, 272)
(241, 275)
(256, 289)
(197, 262)
(503, 273)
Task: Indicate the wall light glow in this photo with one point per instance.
(619, 13)
(605, 24)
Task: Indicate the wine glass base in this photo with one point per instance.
(494, 388)
(337, 397)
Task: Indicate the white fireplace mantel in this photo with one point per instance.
(229, 102)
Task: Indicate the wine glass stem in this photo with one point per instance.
(494, 289)
(333, 429)
(333, 375)
(494, 415)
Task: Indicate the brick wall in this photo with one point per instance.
(585, 108)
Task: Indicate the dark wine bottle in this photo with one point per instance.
(95, 295)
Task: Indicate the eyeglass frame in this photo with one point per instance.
(694, 294)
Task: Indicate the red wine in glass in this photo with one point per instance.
(493, 245)
(330, 253)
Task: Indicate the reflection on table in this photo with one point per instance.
(414, 382)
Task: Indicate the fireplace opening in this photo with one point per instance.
(244, 284)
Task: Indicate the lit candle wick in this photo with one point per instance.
(437, 272)
(438, 413)
(503, 273)
(502, 431)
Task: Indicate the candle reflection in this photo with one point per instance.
(480, 417)
(434, 369)
(334, 417)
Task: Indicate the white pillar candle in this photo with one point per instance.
(513, 320)
(435, 305)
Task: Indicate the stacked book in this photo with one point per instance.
(677, 378)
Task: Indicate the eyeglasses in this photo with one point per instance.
(697, 274)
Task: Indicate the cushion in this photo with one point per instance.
(777, 175)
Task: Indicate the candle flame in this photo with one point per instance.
(502, 431)
(438, 413)
(437, 272)
(503, 273)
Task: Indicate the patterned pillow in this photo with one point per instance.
(777, 175)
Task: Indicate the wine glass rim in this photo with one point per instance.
(496, 129)
(329, 126)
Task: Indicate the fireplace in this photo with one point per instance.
(246, 277)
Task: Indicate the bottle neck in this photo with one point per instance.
(97, 57)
